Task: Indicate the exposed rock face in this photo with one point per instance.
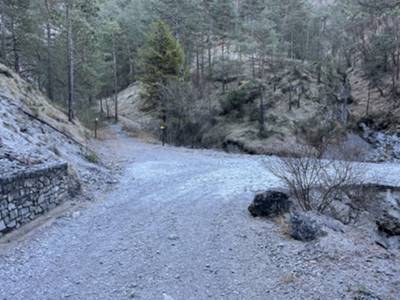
(303, 228)
(389, 222)
(341, 211)
(386, 145)
(270, 204)
(383, 207)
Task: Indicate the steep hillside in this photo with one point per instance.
(34, 132)
(138, 123)
(378, 105)
(297, 109)
(292, 107)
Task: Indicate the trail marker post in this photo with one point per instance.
(163, 133)
(96, 121)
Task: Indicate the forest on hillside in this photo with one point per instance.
(200, 149)
(81, 51)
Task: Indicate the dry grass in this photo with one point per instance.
(32, 101)
(288, 279)
(285, 230)
(134, 130)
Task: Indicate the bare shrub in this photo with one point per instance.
(315, 183)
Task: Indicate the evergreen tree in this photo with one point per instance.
(162, 60)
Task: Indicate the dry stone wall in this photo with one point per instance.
(28, 194)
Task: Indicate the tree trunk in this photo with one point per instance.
(298, 100)
(3, 54)
(114, 54)
(385, 62)
(253, 65)
(202, 64)
(223, 67)
(307, 47)
(70, 53)
(131, 74)
(14, 45)
(394, 74)
(262, 113)
(197, 67)
(369, 99)
(49, 54)
(210, 72)
(101, 107)
(397, 49)
(253, 59)
(398, 65)
(291, 46)
(319, 72)
(202, 72)
(345, 96)
(107, 109)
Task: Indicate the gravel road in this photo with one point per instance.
(177, 227)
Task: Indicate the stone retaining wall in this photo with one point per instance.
(26, 195)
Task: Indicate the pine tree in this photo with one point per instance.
(162, 60)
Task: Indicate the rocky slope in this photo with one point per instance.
(232, 119)
(35, 132)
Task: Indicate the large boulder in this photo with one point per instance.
(270, 204)
(303, 228)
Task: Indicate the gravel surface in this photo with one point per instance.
(177, 227)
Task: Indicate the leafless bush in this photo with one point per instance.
(315, 183)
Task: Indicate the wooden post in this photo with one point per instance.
(163, 127)
(70, 54)
(96, 121)
(163, 135)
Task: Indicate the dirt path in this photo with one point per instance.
(177, 227)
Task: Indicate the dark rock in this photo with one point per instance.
(270, 204)
(303, 228)
(389, 222)
(2, 226)
(6, 72)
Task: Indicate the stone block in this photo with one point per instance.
(13, 214)
(11, 224)
(2, 226)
